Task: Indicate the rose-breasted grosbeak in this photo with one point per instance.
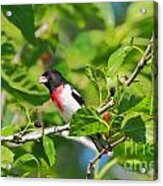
(67, 99)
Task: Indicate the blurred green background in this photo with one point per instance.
(67, 37)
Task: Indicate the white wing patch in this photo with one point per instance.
(77, 96)
(76, 92)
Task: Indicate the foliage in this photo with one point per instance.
(93, 52)
(49, 149)
(135, 128)
(86, 122)
(18, 18)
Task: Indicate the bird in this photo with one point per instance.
(67, 100)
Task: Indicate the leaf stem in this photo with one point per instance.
(138, 49)
(29, 122)
(108, 166)
(100, 94)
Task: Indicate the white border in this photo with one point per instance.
(58, 182)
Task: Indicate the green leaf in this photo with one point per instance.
(96, 75)
(86, 122)
(23, 18)
(128, 101)
(135, 129)
(9, 129)
(49, 149)
(25, 164)
(7, 50)
(116, 124)
(140, 41)
(24, 159)
(136, 41)
(7, 157)
(21, 86)
(116, 60)
(142, 106)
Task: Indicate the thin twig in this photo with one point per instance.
(118, 141)
(91, 164)
(147, 55)
(107, 149)
(105, 106)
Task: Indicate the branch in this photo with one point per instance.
(105, 106)
(127, 81)
(55, 130)
(107, 149)
(147, 55)
(63, 131)
(19, 138)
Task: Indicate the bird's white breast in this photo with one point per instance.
(70, 105)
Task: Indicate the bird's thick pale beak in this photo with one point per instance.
(43, 79)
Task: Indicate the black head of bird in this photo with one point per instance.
(52, 79)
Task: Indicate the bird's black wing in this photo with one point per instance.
(77, 97)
